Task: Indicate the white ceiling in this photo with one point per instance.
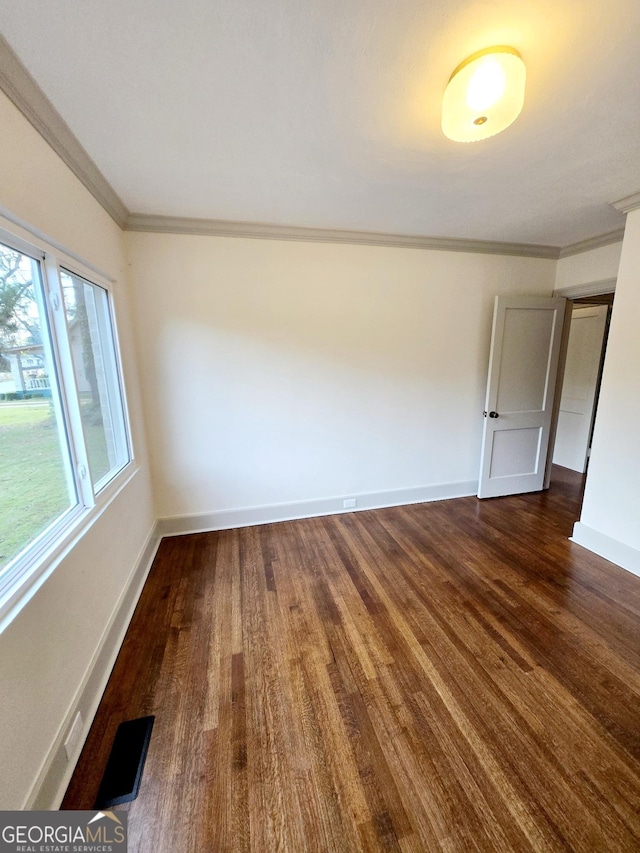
(327, 113)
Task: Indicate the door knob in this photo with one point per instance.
(494, 415)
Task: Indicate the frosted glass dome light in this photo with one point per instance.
(484, 95)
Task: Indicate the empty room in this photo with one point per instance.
(319, 426)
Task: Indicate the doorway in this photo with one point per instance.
(589, 318)
(528, 356)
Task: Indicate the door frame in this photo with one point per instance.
(577, 291)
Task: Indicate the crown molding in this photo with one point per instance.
(265, 231)
(593, 243)
(28, 97)
(591, 288)
(22, 89)
(626, 205)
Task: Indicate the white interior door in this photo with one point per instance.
(525, 348)
(579, 386)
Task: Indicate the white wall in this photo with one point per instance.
(280, 372)
(594, 265)
(610, 520)
(46, 652)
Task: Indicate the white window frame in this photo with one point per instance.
(95, 487)
(28, 570)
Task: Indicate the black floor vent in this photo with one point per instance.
(123, 773)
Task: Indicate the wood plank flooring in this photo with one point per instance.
(447, 676)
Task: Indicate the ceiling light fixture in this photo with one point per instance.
(484, 95)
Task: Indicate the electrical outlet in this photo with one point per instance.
(74, 736)
(349, 503)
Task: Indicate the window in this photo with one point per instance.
(94, 363)
(63, 429)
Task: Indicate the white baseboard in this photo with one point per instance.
(248, 516)
(56, 771)
(605, 546)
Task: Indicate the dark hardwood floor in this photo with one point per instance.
(446, 676)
